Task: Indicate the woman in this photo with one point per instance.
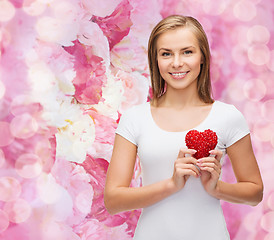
(180, 195)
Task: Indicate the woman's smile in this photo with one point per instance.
(179, 75)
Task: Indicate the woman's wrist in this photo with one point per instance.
(171, 186)
(217, 190)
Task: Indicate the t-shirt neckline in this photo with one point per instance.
(184, 131)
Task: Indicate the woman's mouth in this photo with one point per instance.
(178, 75)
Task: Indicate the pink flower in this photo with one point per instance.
(128, 55)
(92, 229)
(117, 25)
(104, 127)
(144, 15)
(60, 62)
(90, 74)
(17, 3)
(103, 9)
(100, 45)
(76, 181)
(136, 87)
(168, 7)
(104, 135)
(97, 169)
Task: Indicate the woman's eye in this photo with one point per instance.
(165, 54)
(187, 52)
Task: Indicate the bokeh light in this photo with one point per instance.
(7, 11)
(252, 111)
(254, 89)
(10, 189)
(214, 9)
(263, 130)
(235, 90)
(4, 221)
(258, 34)
(2, 158)
(267, 221)
(34, 8)
(28, 165)
(269, 236)
(239, 54)
(22, 104)
(268, 110)
(23, 126)
(18, 211)
(250, 222)
(270, 63)
(272, 141)
(244, 10)
(6, 137)
(259, 54)
(2, 89)
(270, 201)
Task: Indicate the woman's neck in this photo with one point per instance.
(179, 99)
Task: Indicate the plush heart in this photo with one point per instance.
(202, 142)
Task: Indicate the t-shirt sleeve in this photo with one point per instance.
(236, 126)
(127, 127)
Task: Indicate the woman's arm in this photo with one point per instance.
(120, 197)
(249, 186)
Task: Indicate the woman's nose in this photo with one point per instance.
(177, 61)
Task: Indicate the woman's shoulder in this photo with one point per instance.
(224, 106)
(230, 122)
(226, 109)
(228, 114)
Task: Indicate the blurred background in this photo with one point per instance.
(70, 68)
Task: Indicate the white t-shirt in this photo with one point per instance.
(190, 214)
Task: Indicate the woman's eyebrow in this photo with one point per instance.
(167, 49)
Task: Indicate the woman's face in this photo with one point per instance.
(179, 58)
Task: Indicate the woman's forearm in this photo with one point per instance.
(241, 192)
(126, 198)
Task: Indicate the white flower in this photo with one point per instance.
(112, 95)
(76, 135)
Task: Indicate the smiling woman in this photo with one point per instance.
(180, 191)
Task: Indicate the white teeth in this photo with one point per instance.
(179, 74)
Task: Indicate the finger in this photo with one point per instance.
(217, 153)
(208, 160)
(214, 174)
(189, 160)
(184, 151)
(192, 167)
(213, 157)
(210, 167)
(211, 170)
(187, 172)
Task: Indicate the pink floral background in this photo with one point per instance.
(70, 68)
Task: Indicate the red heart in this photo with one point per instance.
(202, 142)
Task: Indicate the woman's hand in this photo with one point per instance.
(210, 170)
(184, 167)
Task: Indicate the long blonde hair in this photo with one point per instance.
(170, 23)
